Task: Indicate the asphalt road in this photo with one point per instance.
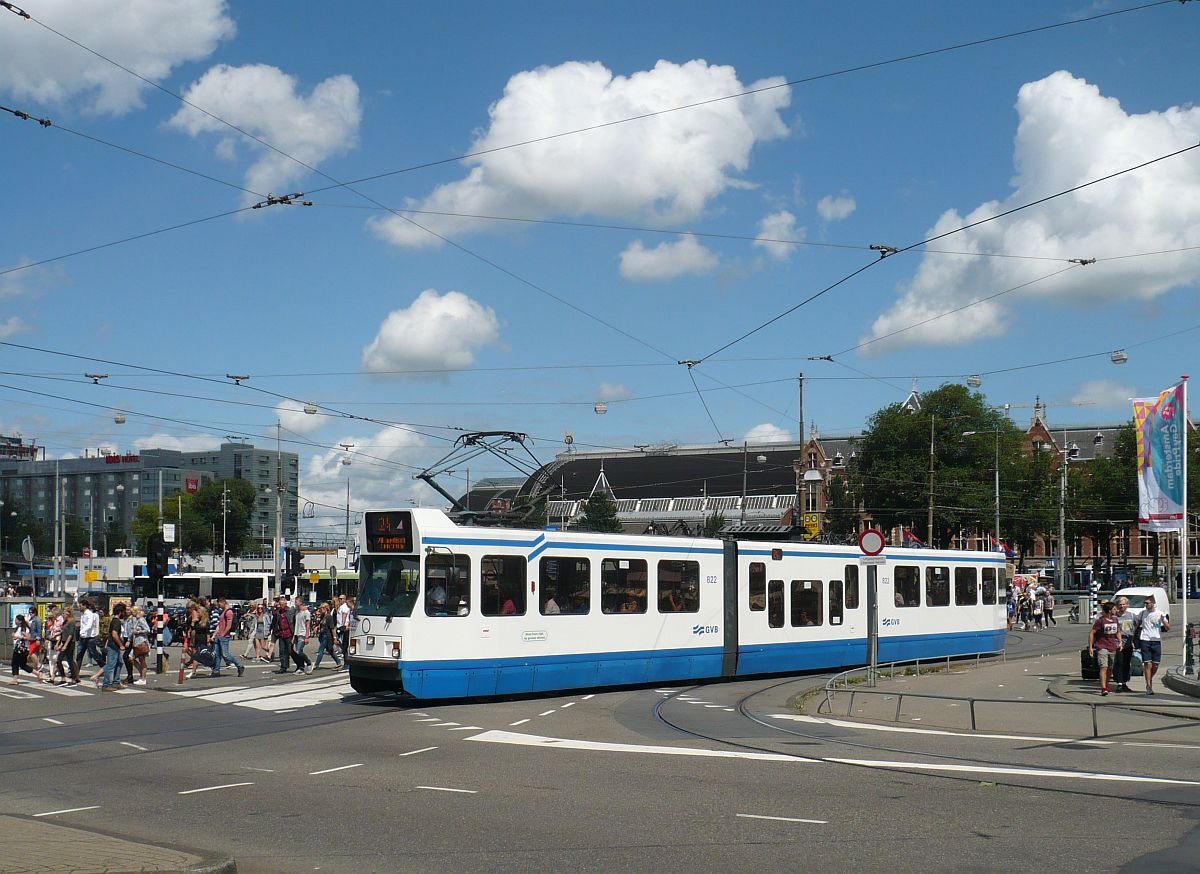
(291, 774)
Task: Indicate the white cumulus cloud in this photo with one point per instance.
(776, 227)
(267, 102)
(1107, 394)
(150, 37)
(834, 209)
(1069, 133)
(12, 326)
(767, 433)
(380, 472)
(292, 417)
(434, 331)
(663, 168)
(666, 260)
(183, 443)
(613, 391)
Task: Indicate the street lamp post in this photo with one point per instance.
(996, 525)
(1068, 453)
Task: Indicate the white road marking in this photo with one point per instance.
(729, 710)
(519, 722)
(126, 743)
(586, 697)
(68, 810)
(446, 724)
(447, 789)
(18, 694)
(1019, 772)
(213, 788)
(286, 711)
(65, 691)
(130, 691)
(48, 719)
(710, 706)
(533, 740)
(263, 770)
(568, 704)
(547, 713)
(430, 719)
(783, 818)
(414, 752)
(331, 770)
(468, 728)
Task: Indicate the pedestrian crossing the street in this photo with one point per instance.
(275, 698)
(281, 697)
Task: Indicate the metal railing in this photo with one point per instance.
(843, 684)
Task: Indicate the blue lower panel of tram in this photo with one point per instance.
(485, 677)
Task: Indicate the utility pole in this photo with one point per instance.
(57, 523)
(745, 466)
(1060, 572)
(929, 518)
(224, 542)
(796, 517)
(278, 510)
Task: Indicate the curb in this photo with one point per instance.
(1174, 680)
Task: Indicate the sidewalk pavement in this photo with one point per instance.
(35, 846)
(1031, 694)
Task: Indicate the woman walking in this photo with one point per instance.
(68, 635)
(260, 633)
(20, 653)
(138, 632)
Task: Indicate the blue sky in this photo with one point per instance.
(525, 325)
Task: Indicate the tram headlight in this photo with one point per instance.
(395, 649)
(353, 646)
(370, 640)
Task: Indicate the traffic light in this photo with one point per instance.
(293, 562)
(157, 556)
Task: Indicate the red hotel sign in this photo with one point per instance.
(121, 459)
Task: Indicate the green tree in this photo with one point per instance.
(1104, 498)
(528, 513)
(207, 513)
(892, 470)
(24, 524)
(841, 508)
(599, 515)
(1029, 501)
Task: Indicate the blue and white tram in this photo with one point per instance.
(447, 611)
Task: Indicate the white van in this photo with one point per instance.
(1137, 597)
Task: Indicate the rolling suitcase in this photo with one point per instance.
(1089, 668)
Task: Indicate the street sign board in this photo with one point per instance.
(871, 541)
(873, 559)
(168, 532)
(27, 548)
(332, 574)
(314, 577)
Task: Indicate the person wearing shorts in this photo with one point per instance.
(1152, 625)
(1104, 642)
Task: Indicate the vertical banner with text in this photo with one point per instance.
(1160, 424)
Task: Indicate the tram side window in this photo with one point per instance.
(502, 585)
(447, 584)
(937, 586)
(566, 585)
(966, 588)
(758, 586)
(908, 585)
(775, 603)
(989, 585)
(623, 585)
(1003, 583)
(678, 586)
(835, 602)
(851, 587)
(806, 603)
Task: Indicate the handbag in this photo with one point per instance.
(142, 649)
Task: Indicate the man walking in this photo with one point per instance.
(1104, 641)
(1153, 623)
(343, 625)
(1128, 620)
(114, 645)
(281, 627)
(89, 630)
(222, 652)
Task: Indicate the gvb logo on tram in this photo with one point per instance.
(705, 629)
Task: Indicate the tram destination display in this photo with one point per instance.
(389, 532)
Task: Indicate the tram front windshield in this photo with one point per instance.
(388, 584)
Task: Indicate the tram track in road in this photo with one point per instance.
(741, 707)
